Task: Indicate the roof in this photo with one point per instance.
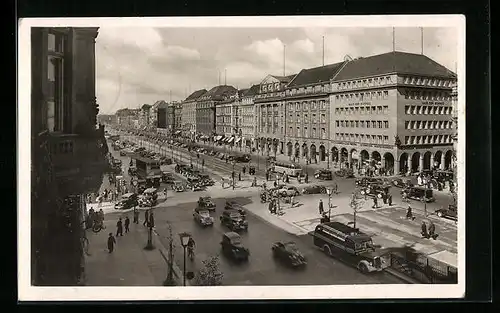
(232, 234)
(252, 91)
(316, 74)
(284, 79)
(162, 105)
(218, 92)
(241, 92)
(145, 160)
(400, 62)
(195, 95)
(145, 106)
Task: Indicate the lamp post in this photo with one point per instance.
(328, 160)
(329, 192)
(233, 173)
(184, 242)
(150, 223)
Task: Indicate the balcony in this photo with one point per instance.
(79, 162)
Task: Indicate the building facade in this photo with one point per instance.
(246, 117)
(69, 152)
(205, 108)
(170, 117)
(189, 111)
(161, 116)
(224, 118)
(269, 104)
(178, 126)
(392, 111)
(306, 114)
(145, 116)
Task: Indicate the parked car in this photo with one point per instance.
(345, 172)
(243, 158)
(449, 212)
(232, 247)
(401, 183)
(206, 180)
(375, 190)
(323, 174)
(366, 181)
(167, 177)
(178, 186)
(418, 193)
(206, 203)
(288, 191)
(233, 205)
(127, 201)
(233, 220)
(145, 201)
(195, 184)
(202, 217)
(288, 253)
(314, 189)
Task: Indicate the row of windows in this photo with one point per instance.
(428, 124)
(424, 81)
(427, 110)
(426, 95)
(362, 96)
(223, 119)
(306, 132)
(432, 139)
(376, 139)
(305, 118)
(309, 89)
(363, 124)
(371, 82)
(307, 105)
(363, 110)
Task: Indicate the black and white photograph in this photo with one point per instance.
(242, 158)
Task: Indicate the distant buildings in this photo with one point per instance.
(188, 112)
(205, 108)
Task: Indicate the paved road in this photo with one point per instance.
(262, 269)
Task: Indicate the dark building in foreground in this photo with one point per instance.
(68, 151)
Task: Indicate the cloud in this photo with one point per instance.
(137, 65)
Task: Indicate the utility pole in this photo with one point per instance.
(393, 39)
(422, 40)
(219, 79)
(323, 50)
(284, 60)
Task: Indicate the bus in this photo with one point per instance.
(148, 171)
(291, 169)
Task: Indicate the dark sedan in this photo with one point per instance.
(288, 253)
(206, 203)
(314, 189)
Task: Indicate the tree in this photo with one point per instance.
(356, 204)
(210, 274)
(170, 281)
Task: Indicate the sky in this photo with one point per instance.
(141, 65)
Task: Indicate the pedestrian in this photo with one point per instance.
(151, 220)
(292, 200)
(127, 224)
(307, 178)
(432, 230)
(270, 207)
(423, 228)
(321, 210)
(239, 176)
(375, 203)
(389, 199)
(111, 242)
(267, 176)
(275, 184)
(409, 213)
(244, 170)
(146, 218)
(136, 216)
(384, 198)
(119, 227)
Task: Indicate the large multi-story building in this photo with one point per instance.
(306, 114)
(270, 104)
(161, 118)
(189, 111)
(68, 150)
(171, 117)
(178, 126)
(107, 119)
(224, 125)
(245, 116)
(392, 111)
(128, 117)
(145, 116)
(153, 115)
(205, 108)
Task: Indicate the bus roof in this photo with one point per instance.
(353, 233)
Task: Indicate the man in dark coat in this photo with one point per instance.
(111, 243)
(321, 209)
(389, 199)
(146, 218)
(151, 220)
(127, 224)
(424, 230)
(119, 227)
(136, 216)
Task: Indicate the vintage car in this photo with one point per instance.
(232, 247)
(449, 212)
(206, 180)
(243, 158)
(287, 252)
(132, 171)
(146, 201)
(206, 203)
(351, 246)
(165, 161)
(202, 216)
(233, 205)
(288, 191)
(418, 193)
(178, 186)
(323, 174)
(345, 172)
(233, 220)
(375, 190)
(127, 201)
(401, 183)
(365, 181)
(194, 184)
(167, 177)
(313, 189)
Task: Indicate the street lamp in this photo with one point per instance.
(329, 192)
(184, 242)
(233, 174)
(149, 245)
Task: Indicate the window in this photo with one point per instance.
(407, 140)
(373, 110)
(386, 94)
(313, 105)
(386, 124)
(367, 124)
(337, 123)
(323, 118)
(379, 110)
(298, 131)
(386, 139)
(352, 124)
(314, 132)
(55, 75)
(305, 132)
(362, 124)
(362, 111)
(379, 124)
(323, 104)
(290, 131)
(385, 109)
(314, 118)
(323, 133)
(374, 124)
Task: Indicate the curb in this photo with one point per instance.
(401, 276)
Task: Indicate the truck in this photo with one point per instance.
(148, 171)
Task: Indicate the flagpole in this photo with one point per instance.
(323, 50)
(422, 40)
(284, 60)
(393, 39)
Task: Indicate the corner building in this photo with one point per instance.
(392, 111)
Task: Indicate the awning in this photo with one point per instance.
(230, 140)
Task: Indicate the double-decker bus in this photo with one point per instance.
(291, 169)
(148, 171)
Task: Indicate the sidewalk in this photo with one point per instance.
(129, 264)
